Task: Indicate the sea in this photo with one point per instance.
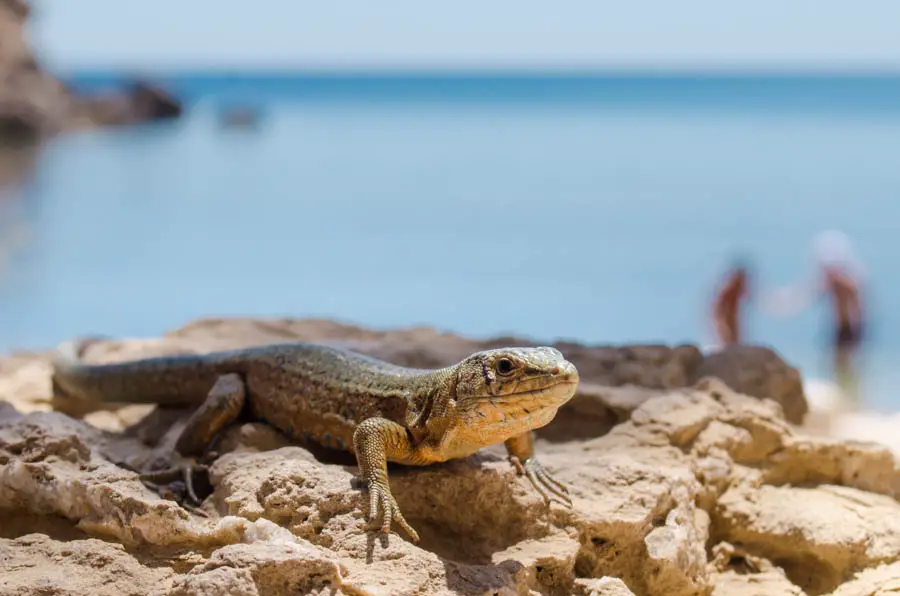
(596, 207)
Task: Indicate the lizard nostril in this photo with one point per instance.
(554, 370)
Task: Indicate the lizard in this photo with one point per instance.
(341, 399)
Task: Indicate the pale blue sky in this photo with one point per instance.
(755, 34)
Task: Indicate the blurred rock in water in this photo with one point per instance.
(17, 164)
(240, 117)
(35, 105)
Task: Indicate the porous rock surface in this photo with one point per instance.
(698, 489)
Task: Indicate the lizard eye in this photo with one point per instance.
(505, 366)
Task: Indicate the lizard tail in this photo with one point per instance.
(66, 358)
(69, 352)
(177, 380)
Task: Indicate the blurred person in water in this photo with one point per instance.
(728, 303)
(840, 279)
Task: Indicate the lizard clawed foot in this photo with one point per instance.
(160, 480)
(543, 482)
(380, 498)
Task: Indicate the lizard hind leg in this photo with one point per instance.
(222, 406)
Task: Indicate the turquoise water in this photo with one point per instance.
(598, 209)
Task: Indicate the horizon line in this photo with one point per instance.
(462, 72)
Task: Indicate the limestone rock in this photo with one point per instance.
(689, 469)
(760, 372)
(37, 564)
(768, 583)
(605, 586)
(883, 580)
(787, 525)
(262, 570)
(736, 572)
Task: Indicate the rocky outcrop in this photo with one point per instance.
(699, 490)
(142, 102)
(34, 105)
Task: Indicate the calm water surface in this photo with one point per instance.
(602, 212)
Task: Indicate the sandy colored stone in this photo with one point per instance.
(605, 586)
(262, 570)
(674, 473)
(736, 572)
(817, 460)
(541, 564)
(820, 536)
(883, 580)
(37, 564)
(53, 465)
(758, 371)
(769, 583)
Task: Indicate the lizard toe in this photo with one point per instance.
(374, 500)
(401, 521)
(387, 512)
(545, 484)
(383, 507)
(163, 481)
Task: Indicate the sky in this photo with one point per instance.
(835, 35)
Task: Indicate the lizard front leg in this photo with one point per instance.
(222, 406)
(521, 454)
(375, 441)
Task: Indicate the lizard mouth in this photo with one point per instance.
(526, 409)
(560, 389)
(552, 387)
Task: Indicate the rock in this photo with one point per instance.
(246, 117)
(262, 570)
(606, 586)
(544, 564)
(689, 467)
(785, 524)
(20, 123)
(760, 372)
(736, 572)
(883, 580)
(18, 162)
(32, 103)
(19, 8)
(143, 102)
(35, 106)
(38, 564)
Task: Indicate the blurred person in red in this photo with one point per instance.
(728, 303)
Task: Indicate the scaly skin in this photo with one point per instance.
(378, 411)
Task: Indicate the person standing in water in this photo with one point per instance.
(840, 279)
(727, 305)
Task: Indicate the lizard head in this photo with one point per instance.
(520, 388)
